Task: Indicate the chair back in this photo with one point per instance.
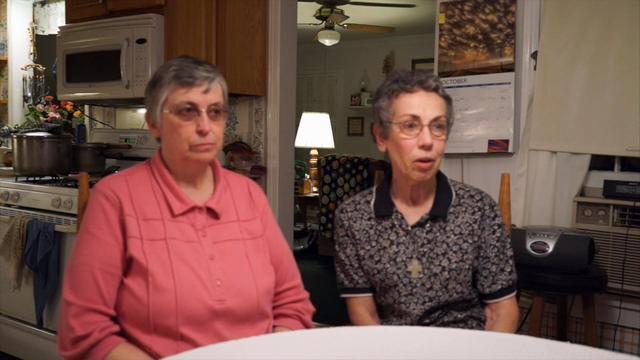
(342, 176)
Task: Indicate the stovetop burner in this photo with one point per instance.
(56, 181)
(70, 181)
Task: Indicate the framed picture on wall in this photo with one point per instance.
(355, 126)
(422, 64)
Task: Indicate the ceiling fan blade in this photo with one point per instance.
(366, 3)
(337, 18)
(311, 24)
(368, 28)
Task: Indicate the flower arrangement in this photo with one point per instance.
(52, 111)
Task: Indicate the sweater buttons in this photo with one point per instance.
(218, 282)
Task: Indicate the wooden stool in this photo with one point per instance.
(558, 286)
(588, 311)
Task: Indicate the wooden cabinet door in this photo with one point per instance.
(242, 45)
(82, 10)
(229, 33)
(190, 29)
(121, 5)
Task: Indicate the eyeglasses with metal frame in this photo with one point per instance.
(189, 113)
(411, 128)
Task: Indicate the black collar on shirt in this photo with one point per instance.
(383, 205)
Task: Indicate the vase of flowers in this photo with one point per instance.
(53, 115)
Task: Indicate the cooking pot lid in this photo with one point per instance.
(42, 134)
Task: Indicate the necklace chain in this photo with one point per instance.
(414, 267)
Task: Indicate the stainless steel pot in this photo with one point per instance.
(91, 157)
(41, 154)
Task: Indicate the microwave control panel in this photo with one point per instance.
(141, 48)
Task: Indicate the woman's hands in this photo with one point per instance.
(277, 329)
(127, 351)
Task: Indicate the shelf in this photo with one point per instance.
(4, 58)
(3, 102)
(361, 108)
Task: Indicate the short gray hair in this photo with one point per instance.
(400, 82)
(180, 73)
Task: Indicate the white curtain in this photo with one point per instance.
(587, 97)
(582, 102)
(553, 180)
(545, 183)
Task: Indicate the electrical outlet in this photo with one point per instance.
(109, 116)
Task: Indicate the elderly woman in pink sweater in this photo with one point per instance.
(177, 252)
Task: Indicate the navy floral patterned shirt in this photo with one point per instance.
(464, 255)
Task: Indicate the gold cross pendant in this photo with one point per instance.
(415, 268)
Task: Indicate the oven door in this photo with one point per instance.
(18, 333)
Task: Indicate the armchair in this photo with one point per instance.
(342, 176)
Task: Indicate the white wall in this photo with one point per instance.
(481, 171)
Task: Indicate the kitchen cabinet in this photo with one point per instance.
(229, 33)
(122, 5)
(84, 10)
(81, 10)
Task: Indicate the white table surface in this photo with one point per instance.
(396, 342)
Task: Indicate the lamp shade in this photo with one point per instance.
(328, 37)
(314, 131)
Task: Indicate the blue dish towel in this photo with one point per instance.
(42, 256)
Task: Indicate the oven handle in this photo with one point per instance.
(71, 229)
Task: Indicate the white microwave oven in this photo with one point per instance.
(109, 59)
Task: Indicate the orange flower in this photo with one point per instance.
(67, 105)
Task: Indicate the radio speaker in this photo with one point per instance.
(552, 249)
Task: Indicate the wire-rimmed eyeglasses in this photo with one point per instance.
(411, 128)
(190, 113)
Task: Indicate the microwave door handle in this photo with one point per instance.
(123, 59)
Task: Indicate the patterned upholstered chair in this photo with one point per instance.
(342, 176)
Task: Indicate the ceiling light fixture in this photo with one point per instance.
(328, 37)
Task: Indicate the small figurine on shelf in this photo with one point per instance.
(365, 95)
(355, 100)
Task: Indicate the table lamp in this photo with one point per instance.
(314, 131)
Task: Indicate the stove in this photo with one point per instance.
(55, 194)
(53, 200)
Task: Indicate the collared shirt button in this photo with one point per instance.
(218, 282)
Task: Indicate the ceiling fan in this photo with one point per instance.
(331, 16)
